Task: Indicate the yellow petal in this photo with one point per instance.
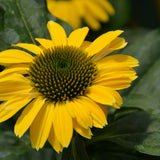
(40, 128)
(57, 33)
(12, 106)
(115, 83)
(70, 108)
(113, 73)
(30, 47)
(98, 116)
(46, 43)
(15, 100)
(117, 43)
(82, 113)
(92, 22)
(104, 109)
(27, 116)
(63, 125)
(8, 96)
(102, 41)
(65, 11)
(118, 98)
(85, 44)
(119, 60)
(77, 37)
(101, 94)
(107, 5)
(85, 132)
(54, 142)
(105, 95)
(97, 11)
(17, 68)
(14, 56)
(14, 83)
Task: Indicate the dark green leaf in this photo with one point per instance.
(136, 131)
(23, 21)
(78, 149)
(145, 95)
(44, 154)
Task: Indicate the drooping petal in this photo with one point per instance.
(17, 68)
(98, 44)
(54, 142)
(12, 106)
(27, 116)
(57, 33)
(13, 84)
(81, 113)
(41, 126)
(70, 108)
(117, 43)
(14, 56)
(103, 108)
(85, 132)
(30, 47)
(105, 95)
(101, 94)
(98, 115)
(115, 83)
(46, 43)
(118, 98)
(119, 60)
(115, 73)
(77, 37)
(63, 125)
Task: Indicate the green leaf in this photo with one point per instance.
(11, 146)
(23, 21)
(144, 94)
(112, 151)
(133, 132)
(135, 124)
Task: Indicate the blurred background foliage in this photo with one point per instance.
(133, 132)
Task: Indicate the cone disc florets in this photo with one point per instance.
(62, 73)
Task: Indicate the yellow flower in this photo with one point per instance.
(73, 11)
(63, 84)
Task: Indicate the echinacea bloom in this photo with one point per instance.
(93, 12)
(63, 84)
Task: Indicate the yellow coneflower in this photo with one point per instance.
(63, 84)
(74, 11)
